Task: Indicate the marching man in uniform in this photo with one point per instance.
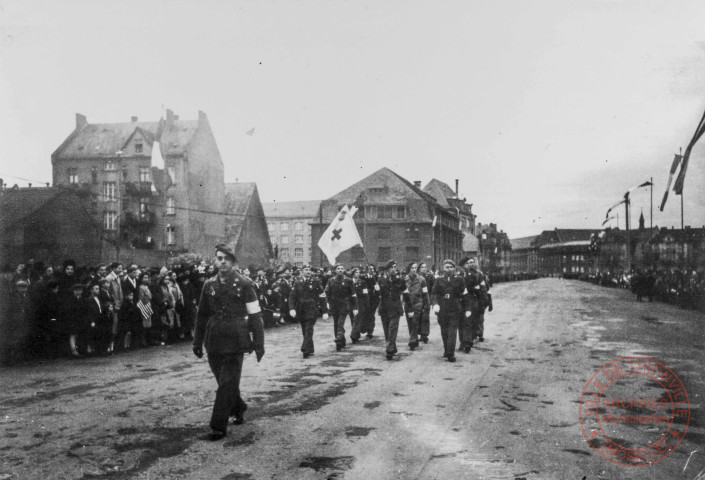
(391, 288)
(341, 296)
(306, 301)
(450, 305)
(477, 300)
(228, 312)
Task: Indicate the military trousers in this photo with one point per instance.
(307, 331)
(339, 327)
(449, 330)
(413, 322)
(479, 325)
(390, 324)
(425, 323)
(466, 329)
(227, 369)
(368, 322)
(357, 321)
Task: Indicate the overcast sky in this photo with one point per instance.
(546, 111)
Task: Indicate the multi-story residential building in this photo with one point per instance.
(396, 220)
(142, 219)
(48, 225)
(524, 257)
(289, 225)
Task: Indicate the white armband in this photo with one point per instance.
(252, 307)
(465, 292)
(424, 290)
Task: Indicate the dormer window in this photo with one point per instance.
(139, 148)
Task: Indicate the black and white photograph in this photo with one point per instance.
(341, 239)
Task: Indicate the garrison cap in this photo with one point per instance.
(226, 250)
(449, 261)
(463, 261)
(391, 263)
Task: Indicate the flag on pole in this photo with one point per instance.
(608, 219)
(340, 235)
(645, 184)
(678, 186)
(161, 180)
(607, 216)
(674, 167)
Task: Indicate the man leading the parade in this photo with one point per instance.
(228, 312)
(340, 292)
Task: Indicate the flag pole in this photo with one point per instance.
(681, 150)
(651, 216)
(626, 222)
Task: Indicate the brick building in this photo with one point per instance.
(495, 250)
(395, 221)
(48, 225)
(524, 258)
(112, 161)
(246, 225)
(289, 225)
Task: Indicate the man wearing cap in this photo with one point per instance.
(228, 313)
(368, 319)
(425, 324)
(449, 305)
(341, 296)
(477, 299)
(391, 287)
(307, 301)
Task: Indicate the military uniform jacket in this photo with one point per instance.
(228, 311)
(363, 293)
(475, 283)
(416, 294)
(450, 294)
(390, 290)
(308, 299)
(341, 295)
(373, 293)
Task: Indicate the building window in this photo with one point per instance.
(357, 253)
(298, 252)
(370, 212)
(139, 148)
(124, 174)
(298, 239)
(412, 232)
(284, 227)
(384, 211)
(271, 227)
(73, 175)
(144, 205)
(110, 190)
(172, 174)
(110, 220)
(170, 237)
(400, 212)
(284, 252)
(285, 239)
(298, 226)
(170, 206)
(110, 165)
(412, 254)
(145, 176)
(384, 233)
(273, 239)
(384, 254)
(94, 175)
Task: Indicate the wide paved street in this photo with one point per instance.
(509, 410)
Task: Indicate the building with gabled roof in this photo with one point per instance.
(143, 216)
(396, 220)
(246, 225)
(289, 225)
(46, 224)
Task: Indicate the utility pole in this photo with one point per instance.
(626, 207)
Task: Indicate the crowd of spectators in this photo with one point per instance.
(683, 288)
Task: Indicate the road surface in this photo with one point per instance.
(508, 410)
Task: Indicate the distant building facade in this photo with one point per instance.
(289, 225)
(48, 225)
(246, 225)
(395, 221)
(495, 250)
(141, 216)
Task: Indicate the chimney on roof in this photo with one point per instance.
(169, 117)
(134, 119)
(81, 121)
(417, 183)
(456, 188)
